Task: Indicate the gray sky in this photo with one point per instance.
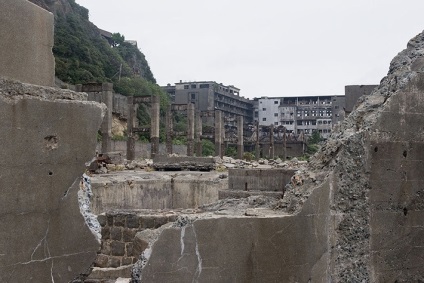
(269, 47)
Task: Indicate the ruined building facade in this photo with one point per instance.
(209, 96)
(298, 114)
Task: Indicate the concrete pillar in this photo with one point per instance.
(257, 149)
(218, 133)
(154, 126)
(106, 127)
(285, 145)
(190, 129)
(169, 128)
(198, 134)
(240, 145)
(224, 144)
(130, 125)
(271, 142)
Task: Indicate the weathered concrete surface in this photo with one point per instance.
(154, 190)
(47, 138)
(259, 179)
(396, 197)
(283, 248)
(26, 33)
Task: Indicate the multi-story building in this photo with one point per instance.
(266, 110)
(299, 115)
(302, 114)
(209, 95)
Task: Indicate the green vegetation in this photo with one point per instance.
(208, 148)
(249, 156)
(83, 55)
(231, 151)
(313, 143)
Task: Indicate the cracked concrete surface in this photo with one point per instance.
(44, 238)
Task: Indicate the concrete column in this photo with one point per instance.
(218, 133)
(223, 142)
(169, 128)
(198, 134)
(257, 149)
(271, 142)
(154, 126)
(130, 125)
(106, 127)
(240, 145)
(190, 129)
(285, 145)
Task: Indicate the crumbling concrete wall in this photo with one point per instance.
(377, 162)
(283, 248)
(47, 136)
(143, 190)
(26, 33)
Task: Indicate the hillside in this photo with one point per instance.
(83, 55)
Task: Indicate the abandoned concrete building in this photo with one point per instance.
(209, 96)
(306, 114)
(298, 114)
(354, 213)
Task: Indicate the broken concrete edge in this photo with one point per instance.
(359, 123)
(13, 90)
(150, 236)
(84, 195)
(345, 154)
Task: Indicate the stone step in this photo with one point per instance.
(110, 273)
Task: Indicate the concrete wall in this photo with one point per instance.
(396, 195)
(247, 249)
(259, 179)
(160, 191)
(26, 33)
(142, 150)
(48, 137)
(353, 92)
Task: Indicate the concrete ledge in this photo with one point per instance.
(183, 163)
(111, 273)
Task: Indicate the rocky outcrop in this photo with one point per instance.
(47, 136)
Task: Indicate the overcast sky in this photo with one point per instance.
(268, 47)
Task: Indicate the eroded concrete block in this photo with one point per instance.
(47, 139)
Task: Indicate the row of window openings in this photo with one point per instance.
(313, 113)
(303, 123)
(302, 102)
(309, 131)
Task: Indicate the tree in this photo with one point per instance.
(117, 39)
